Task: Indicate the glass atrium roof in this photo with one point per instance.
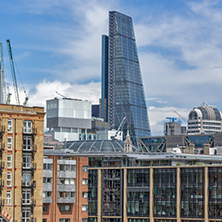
(97, 146)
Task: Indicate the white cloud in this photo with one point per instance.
(47, 90)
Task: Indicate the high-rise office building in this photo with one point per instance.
(125, 96)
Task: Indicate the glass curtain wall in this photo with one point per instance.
(126, 93)
(192, 192)
(112, 192)
(138, 192)
(92, 192)
(215, 192)
(165, 192)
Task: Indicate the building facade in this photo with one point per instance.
(204, 119)
(182, 142)
(104, 83)
(65, 188)
(137, 187)
(125, 87)
(21, 163)
(69, 119)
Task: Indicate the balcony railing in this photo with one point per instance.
(29, 166)
(2, 147)
(32, 132)
(2, 165)
(28, 202)
(2, 129)
(32, 149)
(2, 202)
(29, 184)
(31, 219)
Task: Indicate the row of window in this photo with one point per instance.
(67, 220)
(27, 143)
(26, 197)
(27, 126)
(64, 167)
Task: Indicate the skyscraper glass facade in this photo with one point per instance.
(125, 88)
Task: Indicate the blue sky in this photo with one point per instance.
(57, 47)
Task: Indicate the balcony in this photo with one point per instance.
(2, 203)
(47, 187)
(28, 166)
(31, 219)
(2, 165)
(66, 187)
(2, 147)
(30, 132)
(1, 185)
(66, 174)
(47, 199)
(28, 202)
(2, 129)
(29, 184)
(32, 149)
(66, 200)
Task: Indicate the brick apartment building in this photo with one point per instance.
(21, 158)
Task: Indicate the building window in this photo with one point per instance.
(26, 179)
(47, 194)
(47, 166)
(64, 208)
(9, 179)
(47, 180)
(84, 181)
(9, 197)
(26, 197)
(26, 214)
(9, 125)
(66, 194)
(63, 167)
(84, 194)
(84, 168)
(44, 208)
(27, 161)
(66, 181)
(9, 161)
(44, 220)
(27, 126)
(9, 144)
(27, 143)
(84, 220)
(64, 220)
(84, 208)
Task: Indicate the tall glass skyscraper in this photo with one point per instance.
(125, 88)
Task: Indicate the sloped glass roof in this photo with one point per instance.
(96, 146)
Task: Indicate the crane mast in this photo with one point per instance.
(2, 78)
(13, 72)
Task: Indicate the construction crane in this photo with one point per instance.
(13, 72)
(2, 78)
(119, 128)
(181, 117)
(8, 100)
